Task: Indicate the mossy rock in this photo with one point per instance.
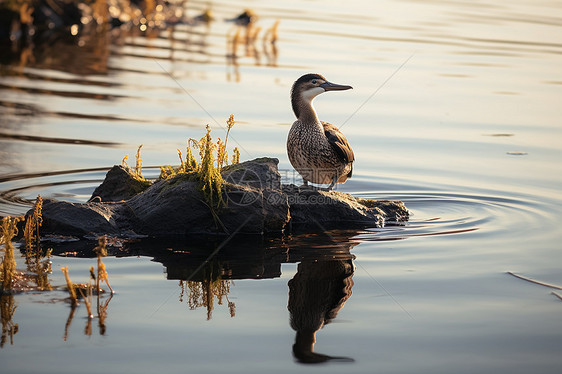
(255, 203)
(120, 183)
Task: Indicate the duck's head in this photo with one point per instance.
(307, 87)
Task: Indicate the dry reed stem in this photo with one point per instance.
(534, 281)
(32, 225)
(70, 286)
(138, 164)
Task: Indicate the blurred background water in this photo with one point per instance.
(455, 110)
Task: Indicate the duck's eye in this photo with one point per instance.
(313, 81)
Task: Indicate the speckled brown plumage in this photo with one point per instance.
(317, 150)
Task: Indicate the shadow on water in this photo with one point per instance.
(317, 292)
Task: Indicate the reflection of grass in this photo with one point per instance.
(38, 269)
(7, 309)
(203, 293)
(36, 258)
(87, 290)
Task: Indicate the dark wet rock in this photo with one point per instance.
(256, 203)
(119, 184)
(327, 209)
(177, 207)
(79, 219)
(260, 173)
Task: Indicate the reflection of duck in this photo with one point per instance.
(316, 294)
(317, 150)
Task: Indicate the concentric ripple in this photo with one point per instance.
(447, 213)
(434, 212)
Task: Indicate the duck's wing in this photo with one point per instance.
(338, 141)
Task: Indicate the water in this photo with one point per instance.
(455, 110)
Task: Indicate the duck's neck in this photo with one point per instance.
(304, 110)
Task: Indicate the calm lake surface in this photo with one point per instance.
(456, 110)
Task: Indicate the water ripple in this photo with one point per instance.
(448, 213)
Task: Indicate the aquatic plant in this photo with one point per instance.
(210, 178)
(101, 272)
(138, 163)
(235, 156)
(70, 286)
(41, 267)
(222, 148)
(212, 157)
(32, 224)
(136, 173)
(138, 183)
(8, 229)
(37, 260)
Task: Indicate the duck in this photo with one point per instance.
(317, 150)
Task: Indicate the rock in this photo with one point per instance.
(256, 203)
(79, 219)
(177, 207)
(260, 173)
(119, 184)
(328, 209)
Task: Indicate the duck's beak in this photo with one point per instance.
(329, 86)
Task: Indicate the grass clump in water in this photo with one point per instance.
(102, 273)
(8, 229)
(85, 291)
(32, 225)
(36, 258)
(70, 286)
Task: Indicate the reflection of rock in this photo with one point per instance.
(257, 203)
